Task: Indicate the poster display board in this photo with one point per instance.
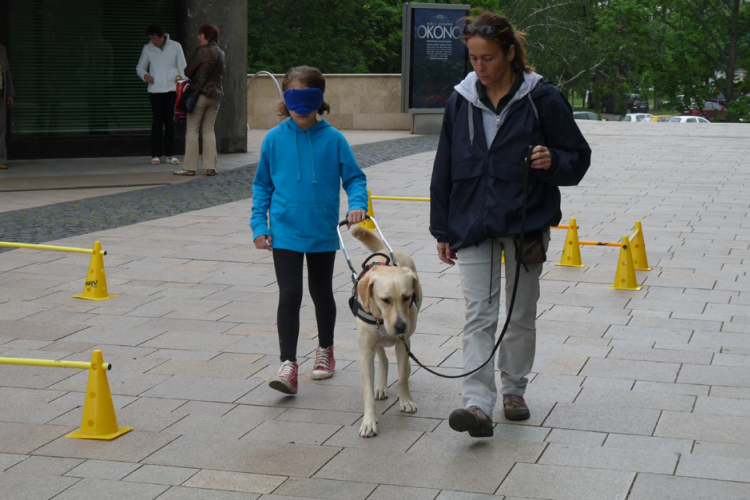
(434, 59)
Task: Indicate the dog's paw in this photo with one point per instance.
(369, 428)
(381, 393)
(408, 406)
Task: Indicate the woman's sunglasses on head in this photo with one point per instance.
(484, 30)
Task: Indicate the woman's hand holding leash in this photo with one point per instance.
(445, 253)
(541, 158)
(264, 242)
(355, 217)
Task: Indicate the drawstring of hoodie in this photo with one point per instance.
(299, 167)
(309, 138)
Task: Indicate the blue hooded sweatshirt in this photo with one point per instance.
(299, 181)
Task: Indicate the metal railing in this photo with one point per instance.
(273, 79)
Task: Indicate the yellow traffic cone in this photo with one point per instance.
(625, 275)
(638, 249)
(571, 256)
(95, 287)
(367, 223)
(99, 420)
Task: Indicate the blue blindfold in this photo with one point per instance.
(303, 101)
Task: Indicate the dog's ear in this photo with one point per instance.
(417, 287)
(364, 290)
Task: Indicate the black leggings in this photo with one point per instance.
(288, 266)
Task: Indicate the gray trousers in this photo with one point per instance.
(481, 289)
(3, 115)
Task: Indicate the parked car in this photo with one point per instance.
(585, 115)
(633, 103)
(635, 117)
(657, 118)
(720, 99)
(679, 103)
(711, 110)
(687, 119)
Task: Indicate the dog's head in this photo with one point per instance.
(389, 293)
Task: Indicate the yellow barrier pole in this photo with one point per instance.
(9, 244)
(399, 198)
(600, 243)
(78, 365)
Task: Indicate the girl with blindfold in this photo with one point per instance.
(303, 164)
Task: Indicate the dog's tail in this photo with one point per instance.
(367, 237)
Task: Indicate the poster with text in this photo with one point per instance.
(438, 56)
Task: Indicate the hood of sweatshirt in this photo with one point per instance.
(289, 127)
(468, 89)
(153, 47)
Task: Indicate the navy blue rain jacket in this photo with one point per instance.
(477, 191)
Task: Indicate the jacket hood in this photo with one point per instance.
(289, 126)
(151, 45)
(468, 87)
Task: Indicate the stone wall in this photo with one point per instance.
(231, 18)
(358, 102)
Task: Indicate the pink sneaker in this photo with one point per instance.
(286, 380)
(324, 364)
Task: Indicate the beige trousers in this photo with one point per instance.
(201, 119)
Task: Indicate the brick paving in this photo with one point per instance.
(72, 218)
(635, 394)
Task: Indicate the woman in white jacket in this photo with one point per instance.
(161, 62)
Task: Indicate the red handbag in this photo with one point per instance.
(182, 86)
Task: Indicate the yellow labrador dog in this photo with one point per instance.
(390, 297)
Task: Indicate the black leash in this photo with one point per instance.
(515, 285)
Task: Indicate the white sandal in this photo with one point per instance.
(173, 160)
(155, 161)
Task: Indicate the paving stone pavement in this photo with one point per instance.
(72, 218)
(636, 395)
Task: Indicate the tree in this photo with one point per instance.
(689, 47)
(352, 36)
(336, 36)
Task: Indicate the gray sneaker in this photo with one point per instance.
(473, 420)
(515, 407)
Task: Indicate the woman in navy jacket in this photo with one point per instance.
(495, 114)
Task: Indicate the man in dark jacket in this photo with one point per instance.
(477, 193)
